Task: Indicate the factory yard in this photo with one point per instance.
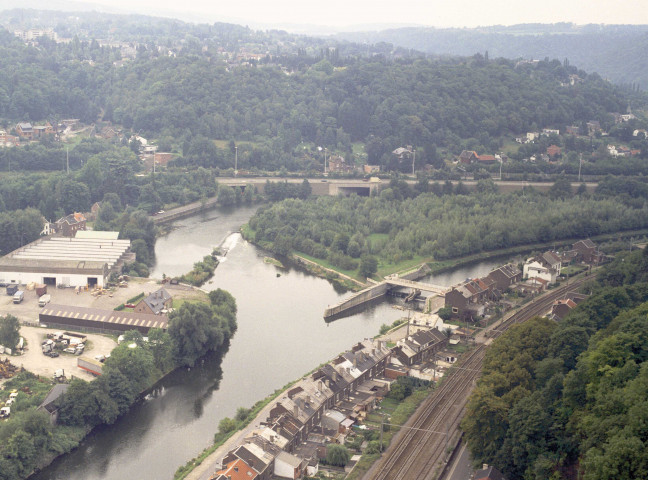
(27, 312)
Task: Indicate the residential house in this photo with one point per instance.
(289, 466)
(468, 297)
(371, 169)
(550, 131)
(554, 151)
(468, 156)
(486, 159)
(488, 473)
(235, 470)
(546, 266)
(562, 307)
(339, 165)
(403, 153)
(587, 251)
(25, 130)
(155, 303)
(50, 402)
(641, 133)
(505, 276)
(69, 225)
(573, 130)
(534, 285)
(7, 140)
(332, 421)
(531, 136)
(420, 346)
(40, 131)
(260, 459)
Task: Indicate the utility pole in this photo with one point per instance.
(413, 161)
(580, 164)
(235, 160)
(67, 159)
(325, 149)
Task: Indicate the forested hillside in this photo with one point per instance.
(570, 400)
(616, 52)
(192, 96)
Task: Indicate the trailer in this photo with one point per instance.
(41, 289)
(90, 365)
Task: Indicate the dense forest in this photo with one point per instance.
(28, 438)
(439, 221)
(570, 400)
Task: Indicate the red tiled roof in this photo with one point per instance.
(237, 470)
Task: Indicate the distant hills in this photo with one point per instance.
(616, 52)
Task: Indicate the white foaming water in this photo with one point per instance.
(228, 245)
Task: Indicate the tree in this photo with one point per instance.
(226, 425)
(337, 455)
(368, 266)
(226, 195)
(195, 331)
(9, 331)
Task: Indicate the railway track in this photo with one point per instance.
(420, 449)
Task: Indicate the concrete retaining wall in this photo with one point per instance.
(363, 296)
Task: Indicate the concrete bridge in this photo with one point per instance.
(424, 287)
(363, 187)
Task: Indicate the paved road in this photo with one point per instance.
(461, 467)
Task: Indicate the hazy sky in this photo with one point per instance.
(441, 13)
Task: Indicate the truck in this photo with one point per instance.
(41, 289)
(90, 365)
(18, 296)
(44, 300)
(12, 288)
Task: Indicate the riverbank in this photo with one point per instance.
(323, 269)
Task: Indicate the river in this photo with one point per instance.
(281, 336)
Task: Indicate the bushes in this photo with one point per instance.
(201, 272)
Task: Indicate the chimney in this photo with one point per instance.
(319, 385)
(355, 361)
(484, 466)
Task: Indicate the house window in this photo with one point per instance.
(455, 310)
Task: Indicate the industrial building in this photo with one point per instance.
(70, 262)
(96, 320)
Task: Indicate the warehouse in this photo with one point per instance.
(96, 320)
(68, 262)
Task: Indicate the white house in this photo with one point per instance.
(289, 466)
(546, 266)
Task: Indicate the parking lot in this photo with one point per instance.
(27, 312)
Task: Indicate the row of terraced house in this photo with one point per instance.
(321, 409)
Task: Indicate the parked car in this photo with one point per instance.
(52, 354)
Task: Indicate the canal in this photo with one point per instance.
(281, 335)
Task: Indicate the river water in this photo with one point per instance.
(281, 336)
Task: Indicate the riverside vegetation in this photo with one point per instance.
(402, 226)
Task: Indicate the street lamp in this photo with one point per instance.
(235, 160)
